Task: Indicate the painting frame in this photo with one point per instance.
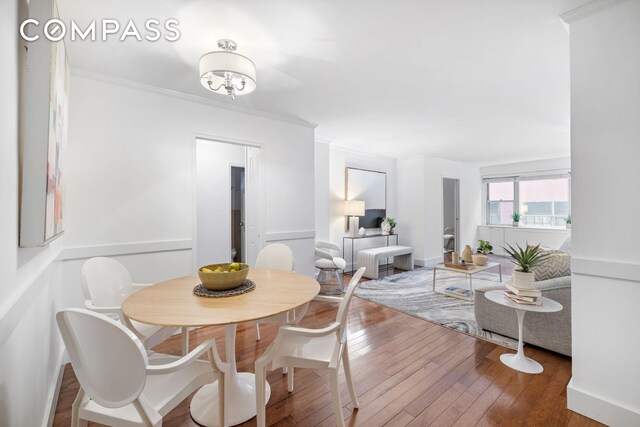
(43, 136)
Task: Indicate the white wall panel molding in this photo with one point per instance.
(282, 236)
(606, 268)
(201, 100)
(588, 9)
(54, 389)
(83, 252)
(31, 281)
(599, 408)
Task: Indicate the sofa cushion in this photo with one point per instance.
(557, 264)
(566, 245)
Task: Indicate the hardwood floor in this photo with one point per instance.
(407, 372)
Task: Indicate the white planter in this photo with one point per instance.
(568, 226)
(480, 260)
(515, 224)
(523, 280)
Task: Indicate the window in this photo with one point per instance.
(500, 202)
(541, 201)
(544, 202)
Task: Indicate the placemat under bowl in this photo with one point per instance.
(202, 291)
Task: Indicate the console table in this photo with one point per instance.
(368, 236)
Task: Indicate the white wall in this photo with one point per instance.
(132, 160)
(411, 205)
(213, 164)
(605, 149)
(322, 193)
(339, 160)
(31, 280)
(427, 216)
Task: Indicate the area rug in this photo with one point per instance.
(411, 293)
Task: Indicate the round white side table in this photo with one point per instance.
(519, 361)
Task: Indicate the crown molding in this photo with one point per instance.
(361, 153)
(93, 75)
(323, 140)
(588, 9)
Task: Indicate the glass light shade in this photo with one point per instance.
(216, 66)
(354, 208)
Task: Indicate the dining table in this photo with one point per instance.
(173, 303)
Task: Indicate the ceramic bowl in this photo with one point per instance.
(224, 280)
(479, 259)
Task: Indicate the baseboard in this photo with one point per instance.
(430, 262)
(599, 408)
(54, 392)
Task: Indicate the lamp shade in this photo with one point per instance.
(354, 207)
(216, 66)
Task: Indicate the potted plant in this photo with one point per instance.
(388, 224)
(484, 249)
(567, 220)
(516, 219)
(525, 260)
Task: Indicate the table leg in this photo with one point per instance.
(500, 270)
(471, 286)
(519, 361)
(352, 260)
(185, 341)
(433, 287)
(241, 400)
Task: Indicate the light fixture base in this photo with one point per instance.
(227, 44)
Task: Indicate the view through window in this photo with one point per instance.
(541, 201)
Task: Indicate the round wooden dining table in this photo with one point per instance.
(172, 303)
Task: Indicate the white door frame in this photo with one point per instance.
(194, 179)
(242, 219)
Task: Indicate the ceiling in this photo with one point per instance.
(478, 81)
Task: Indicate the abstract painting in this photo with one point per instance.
(58, 111)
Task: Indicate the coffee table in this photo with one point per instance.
(519, 361)
(172, 303)
(469, 273)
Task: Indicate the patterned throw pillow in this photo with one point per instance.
(557, 264)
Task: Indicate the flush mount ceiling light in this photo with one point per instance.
(227, 72)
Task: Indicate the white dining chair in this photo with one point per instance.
(120, 385)
(278, 256)
(106, 283)
(324, 348)
(329, 265)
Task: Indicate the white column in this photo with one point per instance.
(605, 157)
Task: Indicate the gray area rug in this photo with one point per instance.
(411, 293)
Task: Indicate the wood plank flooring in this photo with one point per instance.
(407, 372)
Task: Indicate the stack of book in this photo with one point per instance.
(523, 296)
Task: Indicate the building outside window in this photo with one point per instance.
(541, 201)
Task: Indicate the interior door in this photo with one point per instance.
(451, 214)
(252, 205)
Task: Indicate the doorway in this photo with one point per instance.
(237, 214)
(227, 223)
(451, 214)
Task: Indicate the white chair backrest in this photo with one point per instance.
(324, 248)
(276, 256)
(106, 282)
(343, 311)
(108, 360)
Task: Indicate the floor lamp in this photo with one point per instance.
(354, 209)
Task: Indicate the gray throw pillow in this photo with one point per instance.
(566, 245)
(557, 264)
